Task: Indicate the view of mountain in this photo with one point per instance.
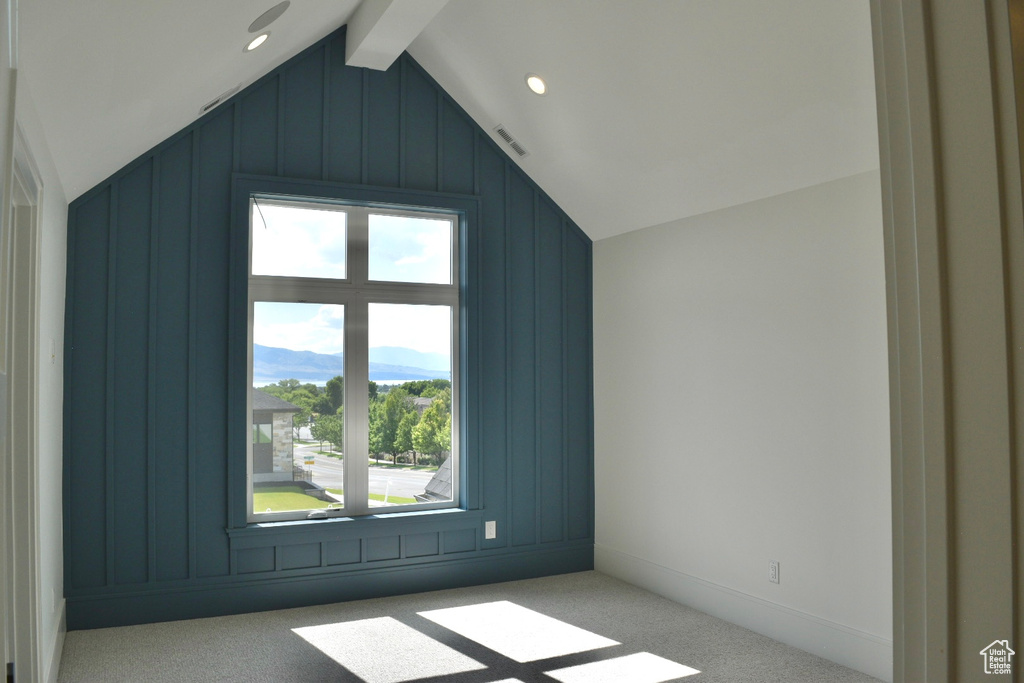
(397, 355)
(271, 364)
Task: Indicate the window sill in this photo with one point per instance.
(342, 528)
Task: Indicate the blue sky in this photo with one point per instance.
(310, 242)
(404, 249)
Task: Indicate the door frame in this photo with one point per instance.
(20, 287)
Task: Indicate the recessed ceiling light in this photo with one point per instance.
(536, 84)
(257, 41)
(270, 16)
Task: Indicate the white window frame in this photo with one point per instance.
(356, 292)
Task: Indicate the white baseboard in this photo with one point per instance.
(851, 648)
(52, 653)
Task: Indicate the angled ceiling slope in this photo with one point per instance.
(113, 78)
(662, 110)
(655, 111)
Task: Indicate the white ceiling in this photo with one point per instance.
(656, 110)
(113, 78)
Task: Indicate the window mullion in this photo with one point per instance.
(357, 374)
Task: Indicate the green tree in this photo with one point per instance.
(376, 418)
(318, 429)
(304, 396)
(304, 399)
(274, 390)
(322, 405)
(437, 387)
(403, 439)
(299, 420)
(335, 390)
(384, 429)
(444, 395)
(433, 434)
(373, 391)
(426, 387)
(331, 429)
(415, 388)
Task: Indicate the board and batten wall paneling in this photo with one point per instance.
(493, 330)
(85, 390)
(522, 409)
(579, 386)
(128, 396)
(154, 457)
(303, 120)
(549, 373)
(170, 349)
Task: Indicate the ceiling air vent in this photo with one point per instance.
(510, 140)
(220, 98)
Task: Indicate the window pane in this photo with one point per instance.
(261, 433)
(405, 249)
(410, 350)
(298, 397)
(297, 241)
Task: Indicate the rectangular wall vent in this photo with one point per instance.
(510, 140)
(220, 98)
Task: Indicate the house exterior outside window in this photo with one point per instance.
(272, 445)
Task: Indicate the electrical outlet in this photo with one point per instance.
(490, 529)
(773, 571)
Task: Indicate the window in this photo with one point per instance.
(352, 372)
(260, 432)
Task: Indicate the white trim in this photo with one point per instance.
(847, 646)
(23, 192)
(52, 654)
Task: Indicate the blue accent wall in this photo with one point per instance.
(154, 458)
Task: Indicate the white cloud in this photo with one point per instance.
(404, 249)
(300, 327)
(423, 328)
(298, 241)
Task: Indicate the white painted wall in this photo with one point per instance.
(741, 398)
(52, 249)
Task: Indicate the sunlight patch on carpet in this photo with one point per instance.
(517, 632)
(642, 667)
(384, 650)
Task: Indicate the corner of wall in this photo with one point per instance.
(843, 645)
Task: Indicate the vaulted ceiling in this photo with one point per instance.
(656, 109)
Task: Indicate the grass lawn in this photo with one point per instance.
(398, 500)
(287, 498)
(284, 499)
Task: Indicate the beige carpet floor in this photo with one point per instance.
(575, 628)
